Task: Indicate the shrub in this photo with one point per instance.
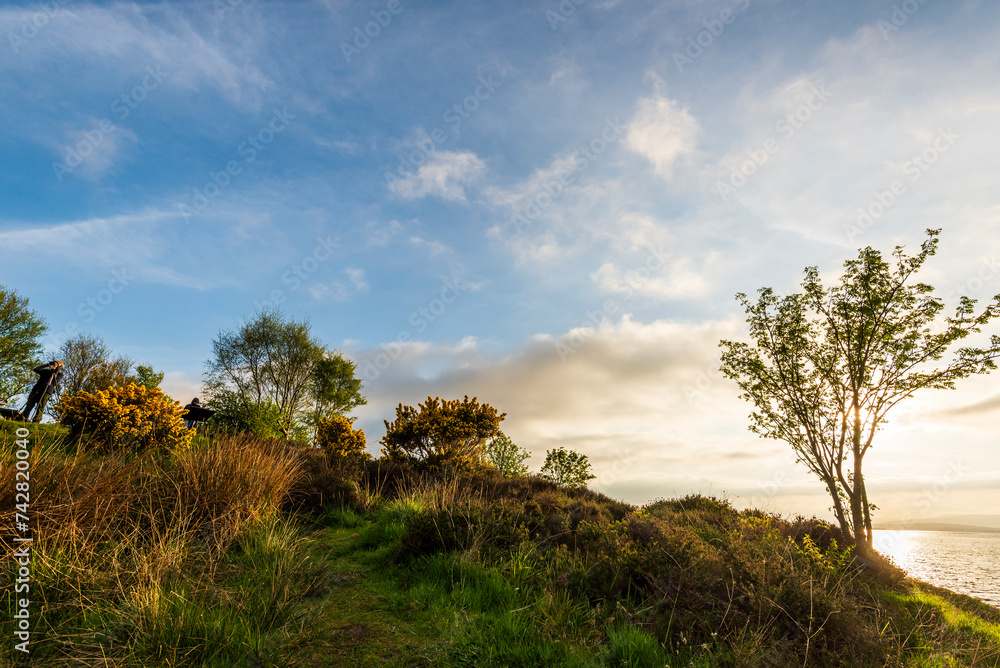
(442, 434)
(262, 419)
(507, 457)
(341, 441)
(130, 415)
(566, 467)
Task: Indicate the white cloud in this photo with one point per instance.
(105, 243)
(646, 403)
(380, 235)
(341, 290)
(680, 281)
(445, 174)
(92, 152)
(662, 132)
(134, 36)
(433, 247)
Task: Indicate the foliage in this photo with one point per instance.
(126, 416)
(341, 441)
(268, 361)
(566, 467)
(335, 388)
(148, 377)
(20, 329)
(441, 434)
(506, 456)
(334, 391)
(234, 415)
(828, 365)
(90, 367)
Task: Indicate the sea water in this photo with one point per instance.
(968, 563)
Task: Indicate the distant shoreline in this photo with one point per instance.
(938, 526)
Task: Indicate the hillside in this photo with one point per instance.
(258, 553)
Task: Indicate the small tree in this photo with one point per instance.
(829, 364)
(268, 361)
(506, 457)
(442, 434)
(148, 377)
(566, 467)
(20, 330)
(341, 441)
(126, 416)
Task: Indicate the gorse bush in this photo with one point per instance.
(441, 434)
(340, 440)
(126, 416)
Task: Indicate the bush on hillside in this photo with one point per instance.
(340, 440)
(442, 435)
(126, 416)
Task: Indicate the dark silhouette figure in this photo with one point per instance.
(196, 413)
(49, 376)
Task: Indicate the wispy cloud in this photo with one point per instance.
(445, 174)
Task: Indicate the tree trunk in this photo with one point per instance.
(838, 508)
(868, 515)
(858, 501)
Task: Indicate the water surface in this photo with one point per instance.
(968, 563)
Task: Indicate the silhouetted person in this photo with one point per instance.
(49, 376)
(192, 410)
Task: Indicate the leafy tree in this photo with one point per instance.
(335, 389)
(506, 457)
(268, 361)
(829, 364)
(20, 331)
(566, 467)
(148, 377)
(442, 434)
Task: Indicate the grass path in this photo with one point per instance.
(365, 620)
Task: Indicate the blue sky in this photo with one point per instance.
(546, 205)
